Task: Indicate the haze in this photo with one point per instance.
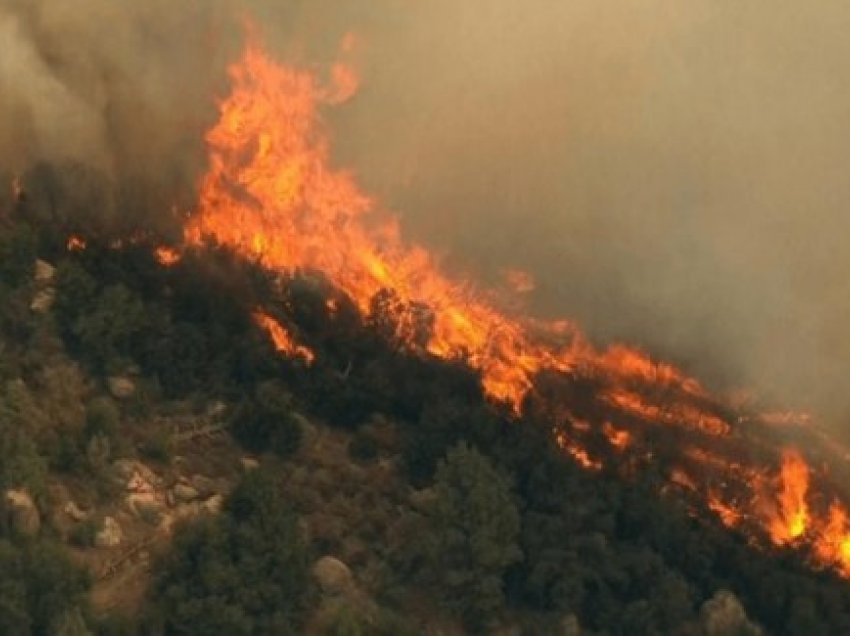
(671, 173)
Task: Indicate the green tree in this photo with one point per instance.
(267, 421)
(76, 292)
(242, 573)
(107, 333)
(38, 587)
(21, 464)
(17, 255)
(474, 532)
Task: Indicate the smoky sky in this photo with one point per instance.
(672, 173)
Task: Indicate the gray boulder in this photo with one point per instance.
(43, 300)
(184, 493)
(205, 486)
(109, 535)
(723, 614)
(121, 388)
(74, 512)
(213, 505)
(44, 272)
(23, 512)
(333, 576)
(249, 463)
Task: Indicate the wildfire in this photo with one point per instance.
(620, 439)
(681, 478)
(575, 451)
(833, 542)
(75, 244)
(272, 194)
(166, 256)
(789, 520)
(282, 339)
(729, 515)
(676, 413)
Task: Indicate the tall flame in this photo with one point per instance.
(272, 194)
(791, 518)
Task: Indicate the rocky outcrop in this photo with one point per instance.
(43, 300)
(333, 576)
(45, 293)
(184, 493)
(74, 512)
(121, 387)
(213, 505)
(206, 487)
(723, 614)
(44, 272)
(109, 535)
(23, 512)
(249, 463)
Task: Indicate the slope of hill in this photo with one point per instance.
(167, 469)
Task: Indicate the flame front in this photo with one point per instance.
(282, 339)
(76, 244)
(272, 194)
(792, 516)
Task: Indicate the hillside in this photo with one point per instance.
(169, 468)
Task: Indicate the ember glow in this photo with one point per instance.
(618, 438)
(166, 256)
(282, 339)
(791, 517)
(272, 194)
(76, 244)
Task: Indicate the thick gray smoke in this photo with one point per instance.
(123, 88)
(672, 173)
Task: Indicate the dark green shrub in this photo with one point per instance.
(83, 534)
(244, 572)
(363, 447)
(17, 255)
(267, 421)
(102, 417)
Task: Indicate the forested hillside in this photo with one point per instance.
(166, 470)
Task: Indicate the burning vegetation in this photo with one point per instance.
(273, 195)
(291, 281)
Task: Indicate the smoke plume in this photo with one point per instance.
(672, 174)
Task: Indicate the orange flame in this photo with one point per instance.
(575, 451)
(677, 413)
(272, 194)
(791, 517)
(833, 543)
(729, 515)
(681, 478)
(620, 439)
(76, 244)
(166, 256)
(282, 339)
